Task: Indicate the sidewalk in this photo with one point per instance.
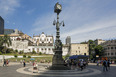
(11, 63)
(100, 64)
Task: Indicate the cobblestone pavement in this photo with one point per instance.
(11, 71)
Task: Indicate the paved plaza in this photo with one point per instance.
(17, 70)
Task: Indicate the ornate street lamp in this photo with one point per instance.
(57, 61)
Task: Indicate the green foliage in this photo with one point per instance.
(16, 50)
(1, 41)
(24, 56)
(40, 53)
(6, 41)
(15, 56)
(33, 52)
(84, 42)
(0, 53)
(67, 56)
(29, 56)
(99, 50)
(9, 50)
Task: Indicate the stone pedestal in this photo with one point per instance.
(58, 62)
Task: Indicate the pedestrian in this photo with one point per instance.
(4, 64)
(72, 64)
(81, 65)
(98, 63)
(108, 64)
(105, 65)
(24, 63)
(84, 64)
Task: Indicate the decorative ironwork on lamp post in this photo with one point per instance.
(57, 60)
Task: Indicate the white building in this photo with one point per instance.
(20, 45)
(43, 39)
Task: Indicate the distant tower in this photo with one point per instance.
(68, 40)
(16, 31)
(1, 25)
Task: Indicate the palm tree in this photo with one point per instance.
(1, 39)
(1, 43)
(6, 42)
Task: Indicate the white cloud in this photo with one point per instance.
(8, 6)
(84, 20)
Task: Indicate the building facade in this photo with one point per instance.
(1, 25)
(20, 45)
(44, 43)
(109, 48)
(99, 41)
(79, 49)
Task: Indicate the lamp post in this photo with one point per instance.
(57, 60)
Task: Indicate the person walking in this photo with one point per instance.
(108, 64)
(105, 65)
(4, 64)
(81, 65)
(7, 63)
(24, 63)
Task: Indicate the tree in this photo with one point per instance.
(1, 41)
(84, 42)
(91, 48)
(99, 50)
(6, 41)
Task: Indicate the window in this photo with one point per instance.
(108, 53)
(84, 53)
(111, 53)
(49, 49)
(76, 51)
(115, 53)
(85, 47)
(111, 47)
(78, 47)
(108, 47)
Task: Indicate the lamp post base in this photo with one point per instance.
(58, 62)
(58, 67)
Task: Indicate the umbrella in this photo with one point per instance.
(32, 59)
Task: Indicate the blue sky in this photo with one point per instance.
(84, 19)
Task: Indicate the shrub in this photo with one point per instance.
(16, 50)
(40, 53)
(15, 56)
(29, 56)
(0, 53)
(24, 56)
